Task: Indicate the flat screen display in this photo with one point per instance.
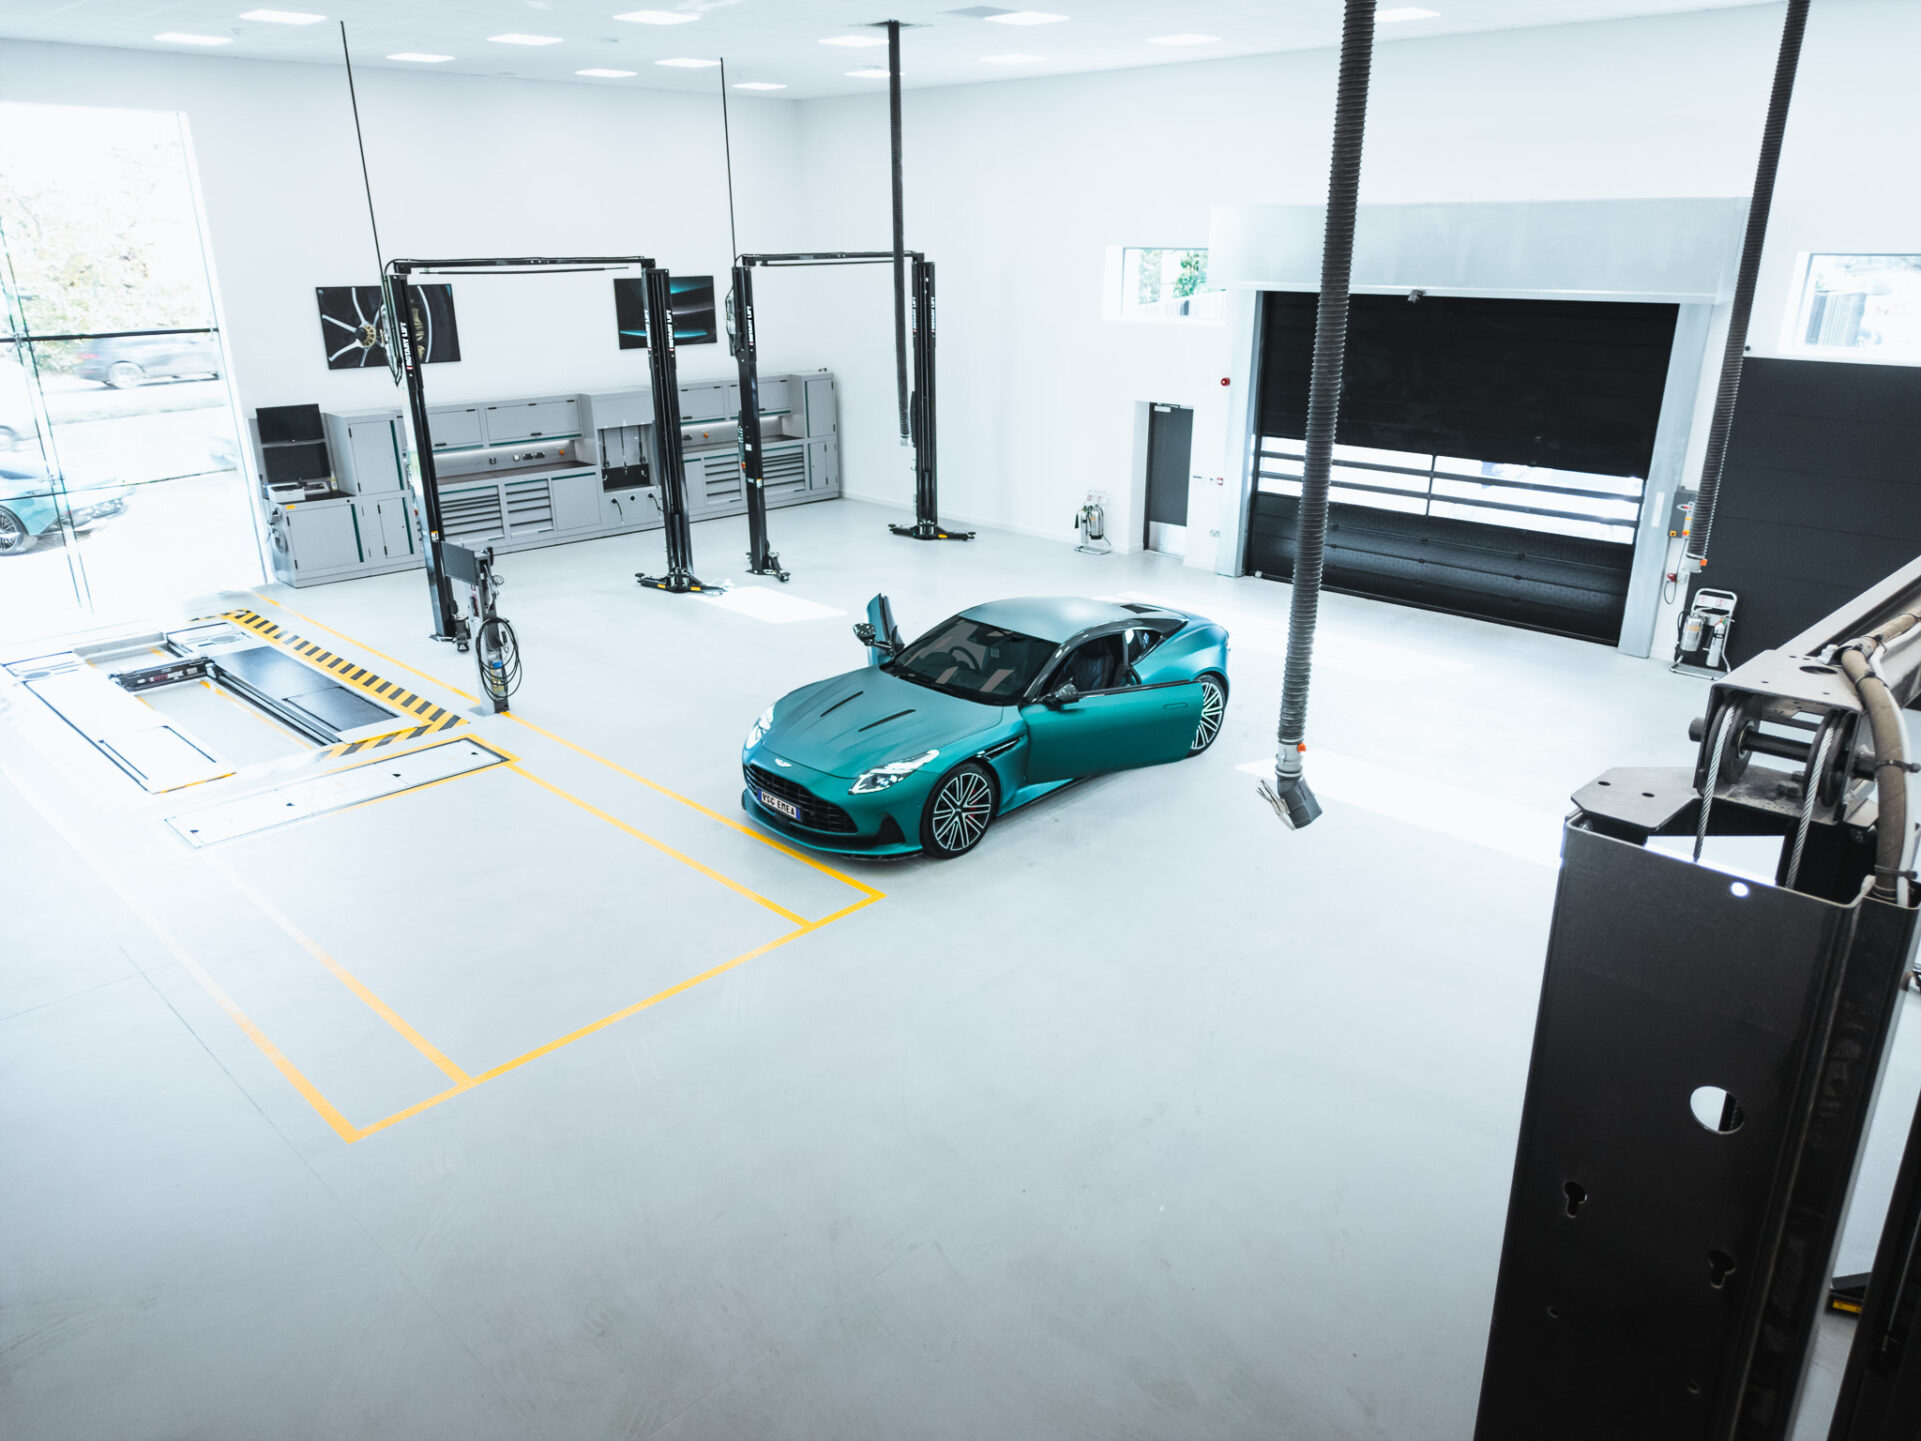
(692, 297)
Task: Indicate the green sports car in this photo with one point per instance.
(922, 748)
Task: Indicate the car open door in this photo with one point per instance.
(880, 633)
(1142, 725)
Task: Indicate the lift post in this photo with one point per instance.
(921, 407)
(1705, 1065)
(761, 560)
(670, 470)
(406, 328)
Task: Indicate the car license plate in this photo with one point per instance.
(775, 803)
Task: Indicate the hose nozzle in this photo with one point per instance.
(1292, 799)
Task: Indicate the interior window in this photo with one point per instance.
(1097, 664)
(1140, 640)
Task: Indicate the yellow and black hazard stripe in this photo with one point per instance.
(373, 742)
(428, 716)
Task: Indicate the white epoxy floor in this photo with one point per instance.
(1148, 1119)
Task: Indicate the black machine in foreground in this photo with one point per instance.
(408, 320)
(1705, 1064)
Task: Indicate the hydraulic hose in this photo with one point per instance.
(1744, 281)
(1891, 764)
(1291, 796)
(900, 231)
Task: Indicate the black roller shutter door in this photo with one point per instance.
(1566, 385)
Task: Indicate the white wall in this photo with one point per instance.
(1016, 189)
(461, 165)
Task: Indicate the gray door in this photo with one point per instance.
(1170, 445)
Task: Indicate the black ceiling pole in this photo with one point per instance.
(1290, 795)
(1757, 232)
(900, 228)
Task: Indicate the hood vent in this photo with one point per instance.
(843, 701)
(886, 718)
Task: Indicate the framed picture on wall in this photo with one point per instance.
(353, 325)
(692, 297)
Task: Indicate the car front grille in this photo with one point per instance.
(815, 813)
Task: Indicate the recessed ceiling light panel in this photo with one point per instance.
(658, 17)
(1403, 12)
(684, 62)
(607, 74)
(524, 39)
(871, 73)
(759, 85)
(855, 41)
(416, 58)
(175, 37)
(1025, 17)
(1012, 59)
(283, 17)
(1184, 40)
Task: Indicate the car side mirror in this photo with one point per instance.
(1065, 696)
(864, 633)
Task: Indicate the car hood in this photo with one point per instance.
(867, 718)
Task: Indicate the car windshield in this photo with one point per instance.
(973, 659)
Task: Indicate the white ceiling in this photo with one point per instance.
(772, 40)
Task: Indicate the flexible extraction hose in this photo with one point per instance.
(1744, 280)
(1291, 797)
(1891, 764)
(900, 231)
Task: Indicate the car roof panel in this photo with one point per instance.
(1050, 617)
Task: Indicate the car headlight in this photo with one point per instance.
(893, 773)
(758, 730)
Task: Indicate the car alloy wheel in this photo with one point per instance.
(958, 812)
(14, 535)
(124, 373)
(1213, 712)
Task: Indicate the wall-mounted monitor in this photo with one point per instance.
(692, 296)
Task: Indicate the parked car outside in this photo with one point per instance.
(30, 508)
(16, 407)
(129, 360)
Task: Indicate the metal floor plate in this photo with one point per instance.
(301, 800)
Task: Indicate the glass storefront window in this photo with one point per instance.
(119, 444)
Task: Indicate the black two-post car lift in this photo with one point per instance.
(670, 481)
(921, 408)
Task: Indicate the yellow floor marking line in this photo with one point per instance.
(707, 811)
(654, 786)
(308, 1091)
(340, 973)
(463, 1082)
(664, 848)
(806, 928)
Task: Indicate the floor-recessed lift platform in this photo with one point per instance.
(113, 693)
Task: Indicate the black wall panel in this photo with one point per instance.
(1575, 385)
(1820, 496)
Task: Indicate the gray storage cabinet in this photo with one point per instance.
(546, 470)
